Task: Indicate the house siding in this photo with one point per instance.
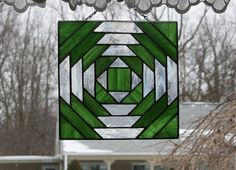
(28, 166)
(20, 166)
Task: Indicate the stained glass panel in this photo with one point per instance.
(120, 84)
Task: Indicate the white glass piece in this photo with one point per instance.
(160, 78)
(65, 79)
(89, 80)
(119, 133)
(172, 80)
(122, 121)
(118, 63)
(119, 96)
(122, 27)
(119, 109)
(135, 80)
(148, 80)
(103, 80)
(77, 80)
(118, 39)
(22, 5)
(118, 50)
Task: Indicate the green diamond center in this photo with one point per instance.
(119, 79)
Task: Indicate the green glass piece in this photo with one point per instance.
(85, 113)
(144, 55)
(152, 113)
(102, 63)
(66, 48)
(66, 29)
(170, 130)
(103, 96)
(152, 130)
(148, 44)
(169, 29)
(93, 54)
(135, 95)
(144, 105)
(67, 131)
(93, 105)
(119, 79)
(135, 64)
(81, 125)
(163, 42)
(84, 47)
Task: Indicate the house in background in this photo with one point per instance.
(108, 155)
(129, 155)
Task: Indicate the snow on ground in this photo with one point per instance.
(77, 147)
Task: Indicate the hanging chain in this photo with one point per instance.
(144, 16)
(91, 15)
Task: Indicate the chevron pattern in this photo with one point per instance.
(118, 82)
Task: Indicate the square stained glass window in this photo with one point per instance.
(118, 80)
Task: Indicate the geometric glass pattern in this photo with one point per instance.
(118, 80)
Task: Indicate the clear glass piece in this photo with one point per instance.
(122, 121)
(135, 80)
(118, 39)
(118, 63)
(89, 80)
(118, 50)
(119, 133)
(148, 78)
(119, 96)
(160, 78)
(120, 27)
(65, 79)
(172, 80)
(77, 82)
(119, 109)
(103, 80)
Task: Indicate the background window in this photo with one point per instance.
(140, 166)
(94, 166)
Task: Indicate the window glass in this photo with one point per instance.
(140, 167)
(94, 166)
(85, 167)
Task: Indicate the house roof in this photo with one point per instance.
(188, 113)
(29, 159)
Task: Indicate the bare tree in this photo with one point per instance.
(209, 142)
(27, 111)
(208, 67)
